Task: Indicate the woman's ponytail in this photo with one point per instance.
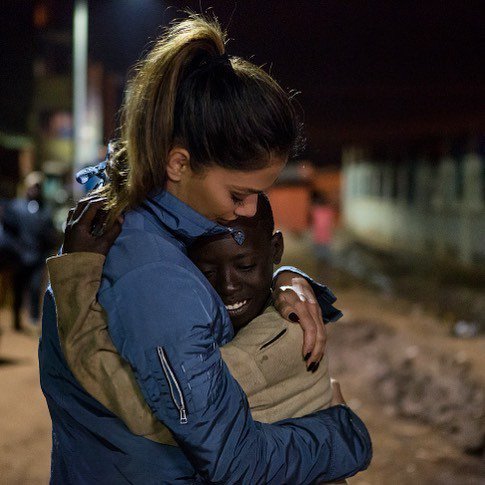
(138, 163)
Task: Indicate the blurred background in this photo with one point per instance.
(386, 204)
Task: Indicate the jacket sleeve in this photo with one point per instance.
(87, 346)
(164, 327)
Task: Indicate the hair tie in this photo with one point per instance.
(99, 170)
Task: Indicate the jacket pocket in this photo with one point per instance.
(272, 340)
(175, 389)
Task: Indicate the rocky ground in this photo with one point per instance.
(421, 397)
(419, 388)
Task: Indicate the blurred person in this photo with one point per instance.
(28, 238)
(8, 256)
(322, 225)
(202, 134)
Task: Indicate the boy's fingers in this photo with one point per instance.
(69, 215)
(98, 222)
(89, 210)
(79, 209)
(82, 203)
(112, 233)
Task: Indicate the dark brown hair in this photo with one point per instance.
(224, 111)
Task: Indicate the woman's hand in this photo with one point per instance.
(295, 300)
(337, 397)
(85, 228)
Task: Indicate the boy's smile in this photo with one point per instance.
(241, 275)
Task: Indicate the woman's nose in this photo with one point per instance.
(248, 207)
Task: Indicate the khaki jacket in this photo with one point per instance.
(264, 357)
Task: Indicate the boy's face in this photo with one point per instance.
(241, 275)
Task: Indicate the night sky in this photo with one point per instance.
(364, 70)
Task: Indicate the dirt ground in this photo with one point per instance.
(378, 338)
(407, 449)
(25, 428)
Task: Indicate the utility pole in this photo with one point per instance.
(80, 88)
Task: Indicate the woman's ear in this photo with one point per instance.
(177, 164)
(277, 247)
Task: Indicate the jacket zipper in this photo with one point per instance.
(174, 386)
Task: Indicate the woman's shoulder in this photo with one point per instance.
(135, 249)
(146, 279)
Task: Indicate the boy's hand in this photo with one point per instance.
(295, 300)
(85, 228)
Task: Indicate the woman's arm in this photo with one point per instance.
(87, 346)
(97, 366)
(253, 357)
(170, 345)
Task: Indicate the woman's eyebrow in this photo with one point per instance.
(247, 190)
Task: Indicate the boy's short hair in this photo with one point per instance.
(262, 218)
(264, 213)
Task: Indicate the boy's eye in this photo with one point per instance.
(247, 267)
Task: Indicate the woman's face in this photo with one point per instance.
(222, 194)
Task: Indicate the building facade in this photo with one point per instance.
(429, 206)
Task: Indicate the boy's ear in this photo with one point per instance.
(277, 247)
(177, 164)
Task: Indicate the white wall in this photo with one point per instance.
(435, 217)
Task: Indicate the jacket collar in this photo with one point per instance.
(182, 221)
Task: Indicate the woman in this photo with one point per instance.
(201, 136)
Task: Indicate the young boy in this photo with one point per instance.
(264, 357)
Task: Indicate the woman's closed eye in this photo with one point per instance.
(237, 199)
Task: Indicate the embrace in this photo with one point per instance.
(166, 353)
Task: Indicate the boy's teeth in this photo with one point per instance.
(236, 305)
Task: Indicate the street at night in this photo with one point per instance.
(379, 336)
(355, 128)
